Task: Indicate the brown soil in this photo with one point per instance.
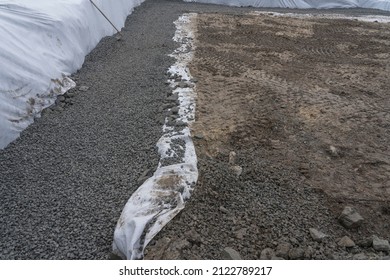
(305, 105)
(311, 94)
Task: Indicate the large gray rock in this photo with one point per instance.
(350, 218)
(230, 254)
(380, 244)
(317, 235)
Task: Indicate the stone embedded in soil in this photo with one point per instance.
(236, 170)
(182, 85)
(69, 94)
(309, 252)
(346, 242)
(161, 120)
(232, 158)
(360, 256)
(168, 249)
(239, 234)
(329, 254)
(294, 241)
(350, 218)
(282, 250)
(223, 210)
(175, 110)
(173, 97)
(193, 237)
(267, 254)
(380, 244)
(365, 243)
(355, 250)
(174, 250)
(199, 136)
(180, 123)
(296, 253)
(230, 254)
(144, 176)
(171, 123)
(317, 235)
(159, 249)
(83, 88)
(333, 151)
(47, 111)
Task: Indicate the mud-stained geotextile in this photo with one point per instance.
(303, 102)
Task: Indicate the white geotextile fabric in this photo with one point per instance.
(43, 41)
(163, 195)
(303, 4)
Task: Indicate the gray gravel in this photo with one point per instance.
(64, 182)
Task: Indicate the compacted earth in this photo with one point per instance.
(292, 126)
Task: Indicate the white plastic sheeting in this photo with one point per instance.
(41, 43)
(163, 195)
(303, 4)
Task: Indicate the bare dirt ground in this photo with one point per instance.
(294, 88)
(305, 105)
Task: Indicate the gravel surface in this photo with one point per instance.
(64, 182)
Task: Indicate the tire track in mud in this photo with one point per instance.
(321, 51)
